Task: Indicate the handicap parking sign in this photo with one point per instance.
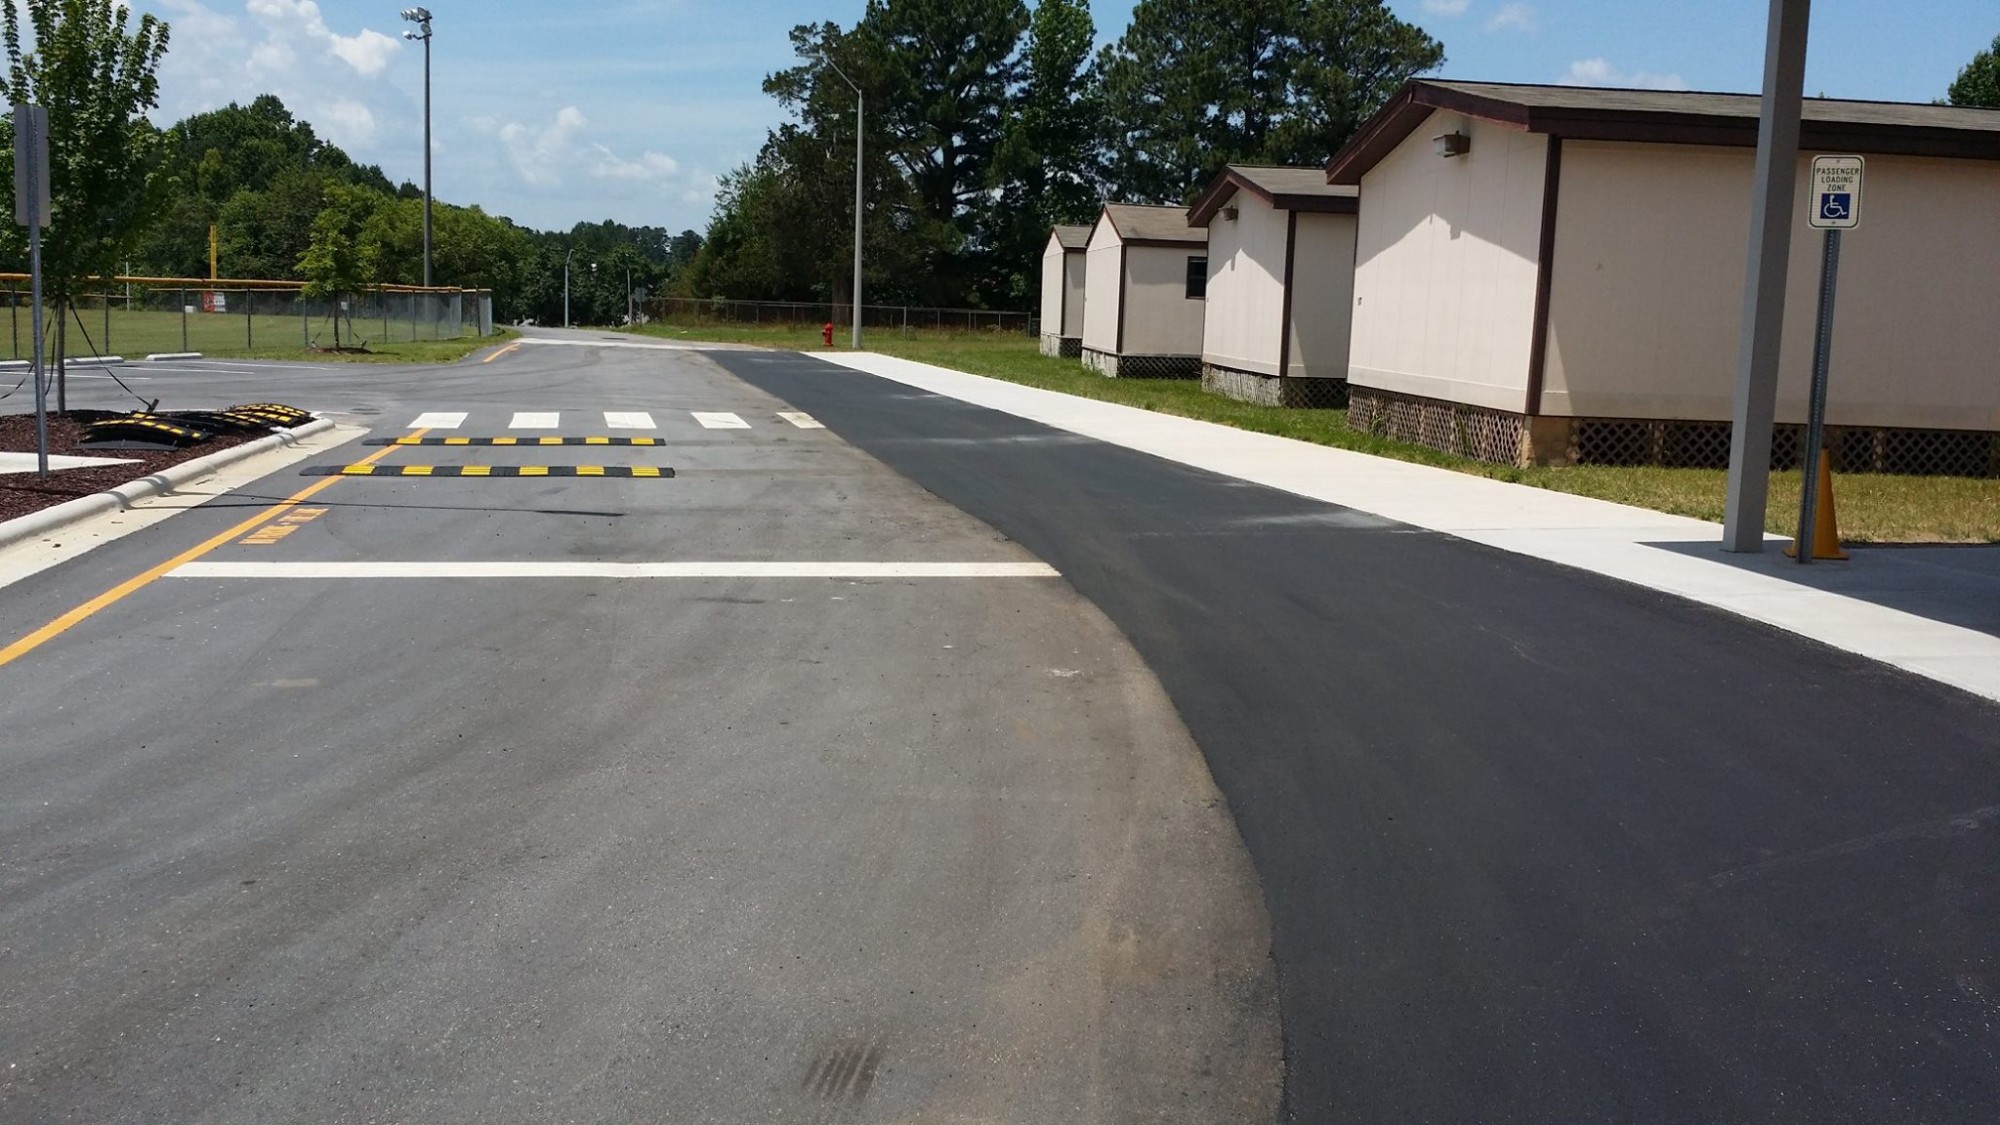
(1836, 192)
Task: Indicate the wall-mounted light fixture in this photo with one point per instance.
(1229, 214)
(1453, 144)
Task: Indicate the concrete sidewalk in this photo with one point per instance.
(1931, 611)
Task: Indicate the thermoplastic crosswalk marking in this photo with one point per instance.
(800, 419)
(535, 420)
(628, 420)
(441, 420)
(720, 421)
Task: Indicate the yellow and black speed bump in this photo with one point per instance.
(517, 441)
(643, 472)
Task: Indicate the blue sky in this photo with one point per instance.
(629, 109)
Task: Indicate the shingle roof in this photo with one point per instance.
(1673, 117)
(1136, 223)
(1072, 238)
(1288, 189)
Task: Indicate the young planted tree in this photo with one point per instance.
(341, 259)
(96, 73)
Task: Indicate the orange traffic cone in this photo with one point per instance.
(1826, 527)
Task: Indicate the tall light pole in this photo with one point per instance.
(422, 18)
(566, 258)
(858, 133)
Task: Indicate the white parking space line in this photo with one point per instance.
(614, 570)
(628, 420)
(800, 419)
(535, 420)
(441, 420)
(720, 421)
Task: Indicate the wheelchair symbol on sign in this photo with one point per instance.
(1835, 205)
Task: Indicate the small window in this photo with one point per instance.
(1197, 279)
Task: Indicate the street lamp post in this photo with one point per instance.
(422, 18)
(858, 133)
(566, 258)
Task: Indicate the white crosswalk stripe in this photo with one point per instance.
(440, 420)
(719, 421)
(535, 420)
(800, 419)
(628, 420)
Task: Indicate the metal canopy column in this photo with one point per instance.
(1764, 281)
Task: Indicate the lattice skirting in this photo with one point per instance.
(1270, 390)
(1469, 431)
(1143, 366)
(1062, 347)
(1499, 436)
(1854, 449)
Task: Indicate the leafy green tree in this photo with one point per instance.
(341, 259)
(96, 73)
(940, 78)
(1044, 166)
(1197, 84)
(1979, 83)
(265, 233)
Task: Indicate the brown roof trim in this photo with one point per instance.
(1688, 122)
(1168, 243)
(1233, 179)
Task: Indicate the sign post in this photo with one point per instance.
(1835, 207)
(31, 210)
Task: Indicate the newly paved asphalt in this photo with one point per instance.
(593, 850)
(1537, 846)
(1527, 845)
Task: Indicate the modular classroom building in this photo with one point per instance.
(1280, 285)
(1556, 274)
(1062, 291)
(1146, 275)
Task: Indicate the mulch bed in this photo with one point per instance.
(22, 493)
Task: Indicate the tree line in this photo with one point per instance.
(987, 123)
(135, 199)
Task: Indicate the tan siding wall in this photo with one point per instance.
(1444, 281)
(1052, 287)
(1102, 289)
(1246, 287)
(1322, 295)
(1073, 279)
(1159, 318)
(1647, 299)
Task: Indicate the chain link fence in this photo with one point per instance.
(903, 318)
(148, 317)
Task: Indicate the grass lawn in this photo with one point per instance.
(1873, 508)
(139, 332)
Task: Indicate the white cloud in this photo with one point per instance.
(545, 155)
(540, 155)
(337, 82)
(1446, 7)
(348, 124)
(1512, 17)
(367, 51)
(650, 167)
(1600, 72)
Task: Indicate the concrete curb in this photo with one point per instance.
(124, 496)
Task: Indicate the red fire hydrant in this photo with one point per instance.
(826, 333)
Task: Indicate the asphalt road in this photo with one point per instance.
(1537, 846)
(547, 848)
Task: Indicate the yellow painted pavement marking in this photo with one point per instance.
(140, 581)
(510, 349)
